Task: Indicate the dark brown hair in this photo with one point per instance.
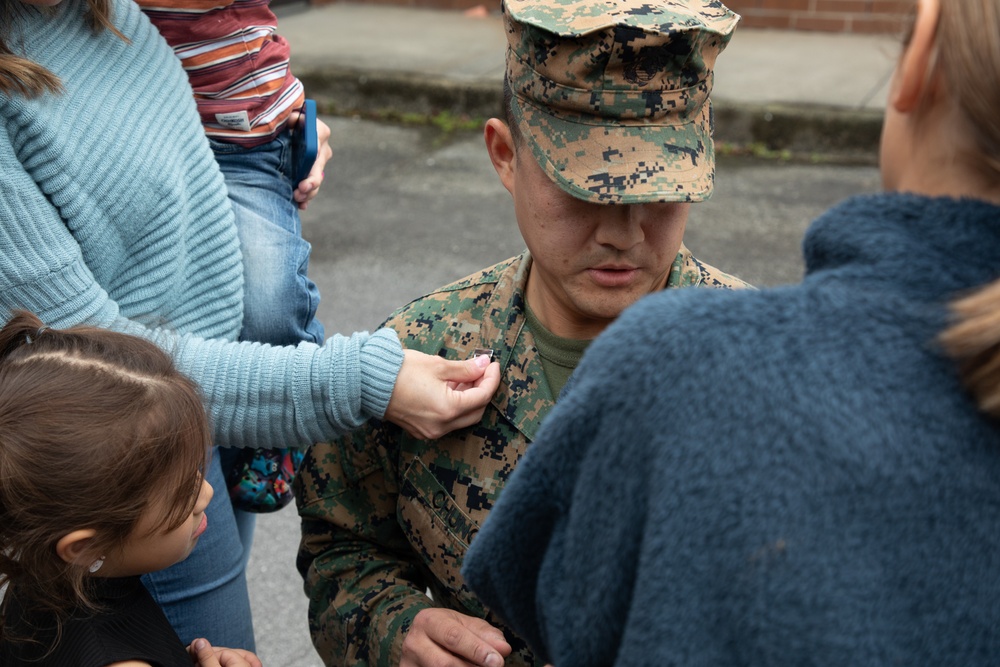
(19, 75)
(968, 44)
(507, 115)
(96, 429)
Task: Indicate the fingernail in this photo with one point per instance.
(482, 361)
(494, 660)
(200, 644)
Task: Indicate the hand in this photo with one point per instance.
(309, 186)
(438, 636)
(434, 396)
(205, 655)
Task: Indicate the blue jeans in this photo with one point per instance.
(279, 301)
(205, 595)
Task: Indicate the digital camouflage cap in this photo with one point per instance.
(613, 95)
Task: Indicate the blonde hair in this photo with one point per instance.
(968, 44)
(21, 76)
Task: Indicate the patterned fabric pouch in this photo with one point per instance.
(260, 480)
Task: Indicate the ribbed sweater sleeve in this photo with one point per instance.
(265, 396)
(113, 212)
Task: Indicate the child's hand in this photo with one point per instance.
(309, 186)
(205, 655)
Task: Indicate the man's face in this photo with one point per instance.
(590, 261)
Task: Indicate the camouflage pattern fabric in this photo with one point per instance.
(614, 96)
(385, 517)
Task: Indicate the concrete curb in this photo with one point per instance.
(801, 132)
(790, 131)
(344, 90)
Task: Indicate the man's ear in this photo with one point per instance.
(916, 77)
(74, 547)
(500, 146)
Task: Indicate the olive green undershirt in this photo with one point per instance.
(559, 355)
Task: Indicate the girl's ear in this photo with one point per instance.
(915, 76)
(74, 547)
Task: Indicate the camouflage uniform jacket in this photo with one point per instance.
(385, 516)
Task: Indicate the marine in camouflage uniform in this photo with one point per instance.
(387, 517)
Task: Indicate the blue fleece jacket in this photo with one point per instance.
(786, 477)
(113, 212)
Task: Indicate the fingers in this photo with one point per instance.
(487, 633)
(473, 381)
(247, 658)
(307, 189)
(203, 654)
(323, 130)
(438, 636)
(471, 399)
(469, 388)
(465, 372)
(470, 647)
(433, 396)
(309, 186)
(486, 382)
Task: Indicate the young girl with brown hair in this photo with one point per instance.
(103, 445)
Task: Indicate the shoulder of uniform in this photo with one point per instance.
(489, 276)
(692, 272)
(459, 303)
(713, 277)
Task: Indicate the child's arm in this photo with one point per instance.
(205, 655)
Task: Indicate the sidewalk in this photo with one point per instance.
(812, 94)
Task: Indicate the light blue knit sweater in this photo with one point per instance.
(113, 212)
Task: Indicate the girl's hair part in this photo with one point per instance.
(22, 76)
(97, 430)
(968, 56)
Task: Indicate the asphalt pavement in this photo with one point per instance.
(405, 208)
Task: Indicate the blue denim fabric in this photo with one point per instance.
(205, 595)
(279, 303)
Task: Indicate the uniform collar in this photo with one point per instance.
(524, 397)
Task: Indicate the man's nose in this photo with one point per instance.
(622, 227)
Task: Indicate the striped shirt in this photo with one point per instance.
(237, 65)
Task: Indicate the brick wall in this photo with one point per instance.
(859, 16)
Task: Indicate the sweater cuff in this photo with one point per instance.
(381, 359)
